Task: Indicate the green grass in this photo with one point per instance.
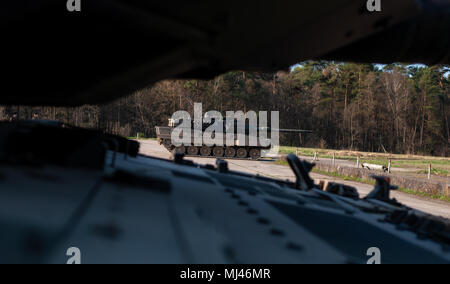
(424, 194)
(371, 182)
(437, 172)
(344, 177)
(281, 163)
(444, 162)
(141, 138)
(440, 165)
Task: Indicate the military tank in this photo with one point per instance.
(241, 148)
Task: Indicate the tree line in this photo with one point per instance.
(394, 108)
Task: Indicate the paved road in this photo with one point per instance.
(270, 169)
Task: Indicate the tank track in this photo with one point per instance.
(240, 153)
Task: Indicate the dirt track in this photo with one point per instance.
(270, 169)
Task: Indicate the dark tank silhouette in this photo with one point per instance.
(242, 147)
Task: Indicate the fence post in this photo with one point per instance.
(389, 166)
(137, 136)
(357, 161)
(334, 158)
(315, 156)
(429, 171)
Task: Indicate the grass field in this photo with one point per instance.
(417, 164)
(141, 138)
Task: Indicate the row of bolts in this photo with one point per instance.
(316, 157)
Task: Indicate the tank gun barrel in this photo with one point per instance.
(286, 130)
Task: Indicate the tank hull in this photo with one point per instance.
(240, 149)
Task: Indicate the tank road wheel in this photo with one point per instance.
(218, 152)
(255, 153)
(180, 150)
(192, 150)
(241, 153)
(205, 151)
(230, 152)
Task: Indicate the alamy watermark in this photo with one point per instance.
(74, 5)
(74, 255)
(375, 255)
(374, 5)
(237, 128)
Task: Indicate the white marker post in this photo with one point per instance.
(429, 171)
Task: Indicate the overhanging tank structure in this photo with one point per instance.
(241, 148)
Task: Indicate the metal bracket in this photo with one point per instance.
(301, 170)
(382, 190)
